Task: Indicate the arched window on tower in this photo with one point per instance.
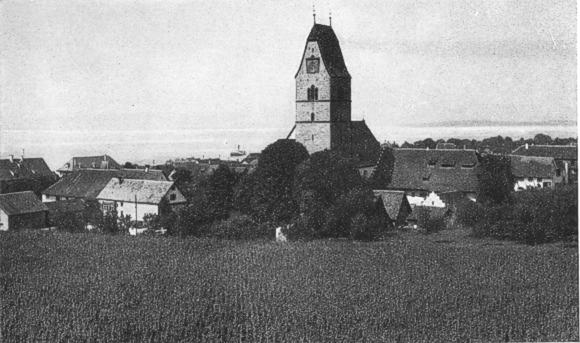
(312, 116)
(312, 93)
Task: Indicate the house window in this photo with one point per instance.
(172, 197)
(311, 116)
(558, 172)
(312, 93)
(121, 203)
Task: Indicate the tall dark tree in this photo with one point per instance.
(331, 193)
(383, 174)
(267, 193)
(496, 180)
(220, 191)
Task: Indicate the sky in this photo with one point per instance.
(147, 79)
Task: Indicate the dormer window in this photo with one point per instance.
(312, 93)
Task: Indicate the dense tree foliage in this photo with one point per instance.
(266, 194)
(495, 179)
(383, 174)
(333, 199)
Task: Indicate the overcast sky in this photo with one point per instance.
(81, 66)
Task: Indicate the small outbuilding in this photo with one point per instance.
(22, 210)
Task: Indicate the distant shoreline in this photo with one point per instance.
(488, 123)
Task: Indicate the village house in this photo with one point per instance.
(88, 183)
(138, 198)
(24, 174)
(22, 210)
(565, 156)
(535, 172)
(450, 174)
(88, 162)
(396, 206)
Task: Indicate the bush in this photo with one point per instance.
(242, 227)
(533, 217)
(69, 221)
(430, 219)
(469, 213)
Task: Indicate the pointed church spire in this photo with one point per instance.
(314, 13)
(330, 17)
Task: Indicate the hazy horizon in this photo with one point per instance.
(156, 68)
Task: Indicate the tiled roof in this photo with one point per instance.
(329, 50)
(145, 191)
(532, 166)
(21, 203)
(392, 201)
(23, 169)
(359, 141)
(90, 162)
(559, 152)
(88, 183)
(435, 170)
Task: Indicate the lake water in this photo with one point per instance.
(142, 146)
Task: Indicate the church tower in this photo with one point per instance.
(323, 104)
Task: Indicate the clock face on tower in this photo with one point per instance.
(312, 65)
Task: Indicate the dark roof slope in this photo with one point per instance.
(89, 183)
(357, 141)
(559, 152)
(23, 168)
(329, 50)
(435, 170)
(21, 203)
(532, 166)
(392, 201)
(90, 162)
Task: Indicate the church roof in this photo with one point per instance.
(329, 50)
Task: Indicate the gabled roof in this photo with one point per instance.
(532, 166)
(145, 191)
(559, 152)
(90, 162)
(23, 168)
(435, 170)
(329, 50)
(21, 203)
(88, 183)
(392, 201)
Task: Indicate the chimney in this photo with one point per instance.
(527, 146)
(11, 158)
(147, 169)
(120, 179)
(22, 157)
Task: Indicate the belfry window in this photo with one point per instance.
(312, 93)
(312, 116)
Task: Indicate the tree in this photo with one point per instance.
(495, 179)
(268, 190)
(383, 174)
(542, 139)
(129, 165)
(220, 191)
(330, 194)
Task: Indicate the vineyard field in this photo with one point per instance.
(58, 286)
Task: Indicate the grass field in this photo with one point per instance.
(441, 287)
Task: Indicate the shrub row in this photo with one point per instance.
(532, 216)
